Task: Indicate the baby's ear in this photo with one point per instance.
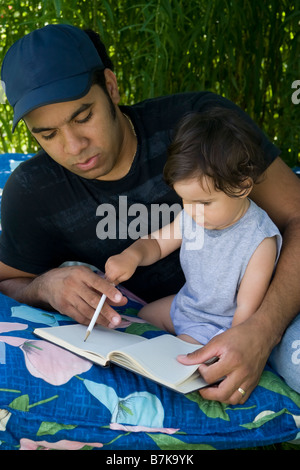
(246, 187)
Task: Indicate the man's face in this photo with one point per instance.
(82, 135)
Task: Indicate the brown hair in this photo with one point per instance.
(218, 143)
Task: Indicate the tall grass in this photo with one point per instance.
(247, 50)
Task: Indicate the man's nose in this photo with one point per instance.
(74, 142)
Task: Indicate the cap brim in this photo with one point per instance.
(69, 89)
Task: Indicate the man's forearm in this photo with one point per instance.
(282, 301)
(25, 290)
(73, 290)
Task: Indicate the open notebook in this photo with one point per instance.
(153, 358)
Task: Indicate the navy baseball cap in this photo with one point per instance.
(49, 65)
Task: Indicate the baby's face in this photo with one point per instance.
(209, 207)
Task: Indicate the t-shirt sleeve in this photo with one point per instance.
(24, 243)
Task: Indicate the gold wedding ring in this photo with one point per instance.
(243, 393)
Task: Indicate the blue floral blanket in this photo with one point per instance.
(53, 399)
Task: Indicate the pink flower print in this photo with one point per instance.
(28, 444)
(129, 428)
(127, 320)
(6, 327)
(52, 363)
(12, 340)
(48, 361)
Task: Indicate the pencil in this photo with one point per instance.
(95, 316)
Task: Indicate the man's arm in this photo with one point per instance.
(74, 291)
(279, 196)
(244, 349)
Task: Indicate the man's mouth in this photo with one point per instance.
(88, 164)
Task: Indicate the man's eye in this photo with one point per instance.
(86, 119)
(49, 137)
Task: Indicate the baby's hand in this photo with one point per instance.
(119, 268)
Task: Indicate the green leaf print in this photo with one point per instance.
(140, 328)
(263, 418)
(48, 427)
(22, 403)
(165, 442)
(272, 382)
(212, 409)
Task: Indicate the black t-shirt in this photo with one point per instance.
(50, 215)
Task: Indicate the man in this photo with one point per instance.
(102, 163)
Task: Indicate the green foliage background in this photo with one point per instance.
(246, 50)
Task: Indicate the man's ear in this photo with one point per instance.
(112, 86)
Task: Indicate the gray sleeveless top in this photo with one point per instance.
(214, 262)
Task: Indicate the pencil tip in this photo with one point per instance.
(87, 335)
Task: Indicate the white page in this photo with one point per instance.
(101, 340)
(158, 356)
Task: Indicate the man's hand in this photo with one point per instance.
(75, 291)
(242, 353)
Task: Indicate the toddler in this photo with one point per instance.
(228, 245)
